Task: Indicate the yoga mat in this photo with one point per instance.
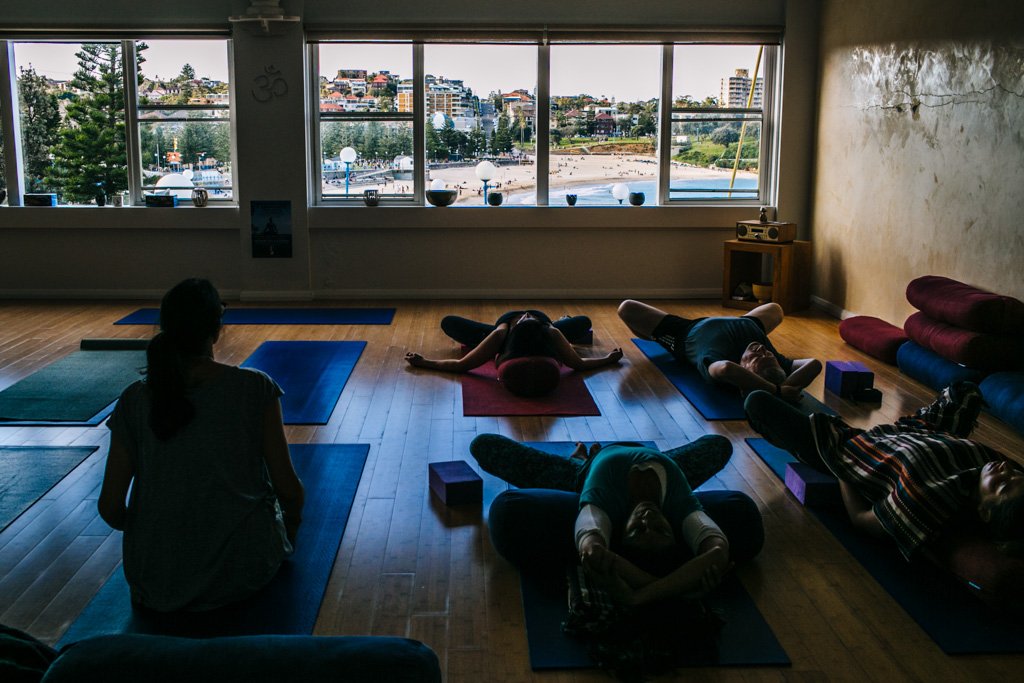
(311, 373)
(745, 640)
(483, 394)
(713, 401)
(28, 472)
(959, 623)
(290, 602)
(280, 316)
(77, 389)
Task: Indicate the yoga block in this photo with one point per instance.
(810, 486)
(847, 377)
(167, 200)
(40, 199)
(455, 482)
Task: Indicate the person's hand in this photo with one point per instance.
(615, 356)
(599, 563)
(414, 359)
(597, 559)
(715, 565)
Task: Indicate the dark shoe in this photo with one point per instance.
(967, 401)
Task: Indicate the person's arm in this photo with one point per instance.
(860, 511)
(735, 374)
(480, 354)
(567, 355)
(287, 486)
(117, 477)
(803, 373)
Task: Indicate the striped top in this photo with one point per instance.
(916, 477)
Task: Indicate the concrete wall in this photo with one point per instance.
(920, 151)
(360, 252)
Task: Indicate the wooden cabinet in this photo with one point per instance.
(787, 266)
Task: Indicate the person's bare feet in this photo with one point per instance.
(580, 452)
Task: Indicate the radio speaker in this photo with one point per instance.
(756, 231)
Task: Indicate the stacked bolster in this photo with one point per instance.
(961, 332)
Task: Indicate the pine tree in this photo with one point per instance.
(40, 123)
(90, 154)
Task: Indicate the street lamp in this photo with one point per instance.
(485, 171)
(620, 191)
(347, 156)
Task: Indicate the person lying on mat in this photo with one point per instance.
(526, 348)
(637, 526)
(910, 480)
(728, 349)
(215, 502)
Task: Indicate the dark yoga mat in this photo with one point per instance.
(745, 640)
(311, 373)
(714, 402)
(959, 623)
(290, 602)
(79, 389)
(28, 472)
(281, 316)
(483, 394)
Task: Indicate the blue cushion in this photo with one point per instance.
(931, 369)
(132, 657)
(1004, 393)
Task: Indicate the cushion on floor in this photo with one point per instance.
(931, 369)
(965, 306)
(988, 352)
(873, 336)
(973, 559)
(530, 375)
(1004, 393)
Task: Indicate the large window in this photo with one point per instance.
(120, 118)
(604, 123)
(717, 120)
(657, 124)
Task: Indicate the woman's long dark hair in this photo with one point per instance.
(190, 315)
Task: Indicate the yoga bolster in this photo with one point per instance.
(1004, 393)
(931, 369)
(132, 658)
(530, 375)
(873, 336)
(973, 349)
(965, 306)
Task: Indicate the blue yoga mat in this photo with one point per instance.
(713, 401)
(281, 316)
(28, 472)
(311, 373)
(959, 623)
(745, 640)
(291, 601)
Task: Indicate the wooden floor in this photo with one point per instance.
(411, 567)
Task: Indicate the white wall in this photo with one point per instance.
(920, 150)
(362, 252)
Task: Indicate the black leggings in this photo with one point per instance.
(471, 332)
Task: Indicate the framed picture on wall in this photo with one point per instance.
(271, 229)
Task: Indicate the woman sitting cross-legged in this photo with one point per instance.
(912, 480)
(215, 502)
(635, 525)
(525, 346)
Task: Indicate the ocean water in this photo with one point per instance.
(601, 195)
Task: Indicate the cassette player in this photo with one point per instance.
(770, 231)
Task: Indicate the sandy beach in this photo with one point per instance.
(567, 171)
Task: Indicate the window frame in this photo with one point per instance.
(9, 105)
(542, 40)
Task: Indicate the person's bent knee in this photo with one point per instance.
(627, 307)
(756, 403)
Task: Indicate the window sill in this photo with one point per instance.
(528, 217)
(120, 217)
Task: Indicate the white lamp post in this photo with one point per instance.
(485, 171)
(620, 191)
(347, 156)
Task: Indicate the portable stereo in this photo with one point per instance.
(756, 231)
